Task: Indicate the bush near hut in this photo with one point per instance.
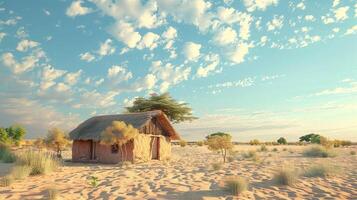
(57, 139)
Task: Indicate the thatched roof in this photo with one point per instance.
(92, 128)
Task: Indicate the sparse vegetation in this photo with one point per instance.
(275, 149)
(5, 154)
(40, 162)
(285, 149)
(319, 151)
(200, 143)
(252, 155)
(236, 185)
(285, 176)
(321, 170)
(217, 166)
(263, 148)
(352, 153)
(13, 134)
(220, 143)
(254, 142)
(183, 143)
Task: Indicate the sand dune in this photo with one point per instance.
(189, 176)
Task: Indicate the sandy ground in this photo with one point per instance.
(189, 175)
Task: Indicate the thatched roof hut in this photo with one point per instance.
(153, 142)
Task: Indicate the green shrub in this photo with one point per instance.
(93, 181)
(352, 153)
(8, 157)
(285, 176)
(282, 140)
(183, 143)
(20, 172)
(236, 185)
(6, 181)
(200, 143)
(217, 166)
(318, 151)
(52, 193)
(321, 170)
(40, 162)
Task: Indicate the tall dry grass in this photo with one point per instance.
(40, 162)
(319, 151)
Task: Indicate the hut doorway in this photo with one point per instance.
(92, 150)
(155, 148)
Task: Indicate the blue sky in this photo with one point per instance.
(254, 68)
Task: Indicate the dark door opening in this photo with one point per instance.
(154, 148)
(92, 150)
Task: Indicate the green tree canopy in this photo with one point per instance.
(219, 134)
(282, 140)
(3, 135)
(175, 111)
(16, 133)
(312, 137)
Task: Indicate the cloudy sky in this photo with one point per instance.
(254, 68)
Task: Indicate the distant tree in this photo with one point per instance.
(175, 111)
(16, 133)
(56, 139)
(3, 135)
(254, 142)
(218, 134)
(309, 138)
(183, 143)
(119, 133)
(282, 140)
(221, 143)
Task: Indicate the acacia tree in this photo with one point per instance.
(221, 143)
(119, 133)
(174, 110)
(56, 139)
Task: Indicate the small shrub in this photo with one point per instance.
(6, 181)
(40, 162)
(200, 143)
(52, 193)
(230, 159)
(183, 143)
(275, 150)
(93, 181)
(285, 149)
(20, 172)
(321, 170)
(269, 155)
(285, 176)
(236, 185)
(319, 151)
(263, 148)
(282, 140)
(352, 153)
(217, 166)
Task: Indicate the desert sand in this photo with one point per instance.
(189, 175)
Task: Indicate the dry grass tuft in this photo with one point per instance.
(319, 151)
(40, 162)
(217, 166)
(236, 185)
(352, 153)
(5, 154)
(183, 143)
(285, 176)
(52, 193)
(263, 148)
(322, 170)
(20, 171)
(6, 181)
